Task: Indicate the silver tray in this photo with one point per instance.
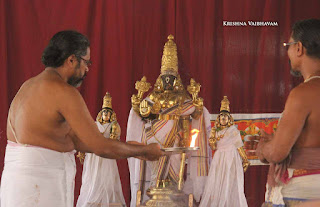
(176, 150)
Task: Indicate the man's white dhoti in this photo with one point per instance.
(297, 190)
(35, 176)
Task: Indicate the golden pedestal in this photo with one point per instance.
(165, 193)
(168, 196)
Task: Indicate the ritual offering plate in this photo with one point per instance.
(177, 150)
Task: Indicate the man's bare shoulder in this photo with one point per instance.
(64, 88)
(66, 94)
(302, 98)
(54, 89)
(301, 91)
(305, 91)
(56, 86)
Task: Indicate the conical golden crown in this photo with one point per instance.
(225, 104)
(107, 101)
(169, 63)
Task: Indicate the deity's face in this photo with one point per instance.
(106, 115)
(224, 119)
(168, 82)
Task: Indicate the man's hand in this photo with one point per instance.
(135, 143)
(259, 150)
(264, 138)
(153, 151)
(260, 154)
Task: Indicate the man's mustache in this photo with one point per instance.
(81, 79)
(84, 76)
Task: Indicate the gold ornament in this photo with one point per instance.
(81, 156)
(107, 101)
(194, 89)
(115, 131)
(142, 86)
(177, 85)
(158, 86)
(213, 139)
(225, 104)
(245, 161)
(169, 63)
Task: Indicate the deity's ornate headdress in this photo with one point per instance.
(224, 109)
(107, 105)
(225, 105)
(169, 63)
(107, 101)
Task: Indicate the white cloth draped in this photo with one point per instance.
(35, 176)
(135, 129)
(305, 187)
(225, 183)
(101, 185)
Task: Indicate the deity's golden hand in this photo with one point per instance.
(135, 102)
(213, 139)
(198, 104)
(142, 86)
(145, 108)
(194, 89)
(245, 161)
(213, 143)
(115, 131)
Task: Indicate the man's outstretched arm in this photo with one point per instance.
(74, 110)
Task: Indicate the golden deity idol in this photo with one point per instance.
(166, 116)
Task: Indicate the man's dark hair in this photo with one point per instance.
(308, 33)
(62, 45)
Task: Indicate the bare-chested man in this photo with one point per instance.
(48, 119)
(294, 150)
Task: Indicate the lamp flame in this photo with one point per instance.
(194, 134)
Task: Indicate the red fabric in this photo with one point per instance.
(248, 64)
